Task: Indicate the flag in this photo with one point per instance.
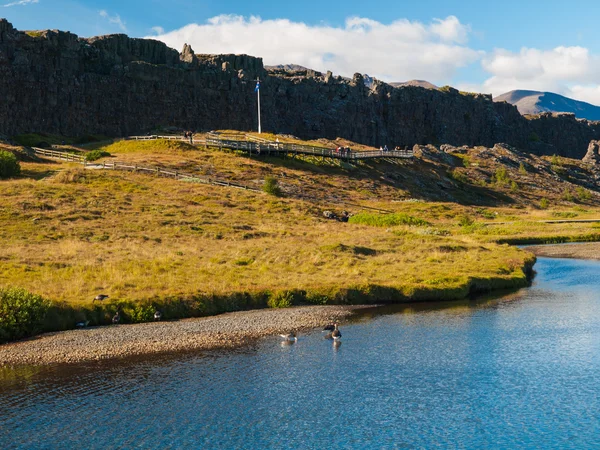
(257, 88)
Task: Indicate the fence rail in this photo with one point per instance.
(160, 171)
(258, 145)
(278, 147)
(65, 156)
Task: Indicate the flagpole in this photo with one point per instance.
(258, 96)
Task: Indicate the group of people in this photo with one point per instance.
(343, 151)
(385, 149)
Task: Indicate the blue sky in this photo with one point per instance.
(483, 46)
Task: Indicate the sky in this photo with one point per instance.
(481, 46)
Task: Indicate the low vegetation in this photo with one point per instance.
(190, 249)
(9, 165)
(22, 313)
(95, 155)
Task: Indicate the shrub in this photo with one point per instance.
(96, 154)
(464, 220)
(567, 195)
(271, 187)
(583, 194)
(282, 299)
(514, 187)
(457, 175)
(9, 166)
(522, 169)
(501, 176)
(544, 203)
(21, 313)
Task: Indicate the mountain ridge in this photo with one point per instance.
(536, 102)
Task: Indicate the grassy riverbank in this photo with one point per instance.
(191, 249)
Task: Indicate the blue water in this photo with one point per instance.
(522, 371)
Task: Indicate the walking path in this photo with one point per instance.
(259, 146)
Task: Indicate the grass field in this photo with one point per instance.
(70, 234)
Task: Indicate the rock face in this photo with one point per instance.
(592, 156)
(55, 82)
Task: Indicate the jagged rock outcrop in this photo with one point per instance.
(592, 156)
(56, 82)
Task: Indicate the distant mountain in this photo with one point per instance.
(419, 83)
(534, 102)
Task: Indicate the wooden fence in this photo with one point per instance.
(260, 146)
(160, 171)
(64, 156)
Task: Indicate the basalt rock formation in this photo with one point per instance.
(56, 82)
(593, 153)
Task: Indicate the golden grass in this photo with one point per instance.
(137, 237)
(73, 233)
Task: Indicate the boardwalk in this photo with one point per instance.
(259, 146)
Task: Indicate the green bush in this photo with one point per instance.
(386, 220)
(522, 169)
(9, 166)
(283, 299)
(457, 175)
(271, 187)
(21, 313)
(465, 220)
(96, 154)
(567, 195)
(544, 203)
(501, 176)
(583, 194)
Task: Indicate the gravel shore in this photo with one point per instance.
(222, 331)
(587, 250)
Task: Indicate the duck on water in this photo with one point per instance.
(290, 337)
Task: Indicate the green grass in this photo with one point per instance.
(156, 146)
(95, 155)
(191, 249)
(387, 220)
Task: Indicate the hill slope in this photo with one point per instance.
(534, 102)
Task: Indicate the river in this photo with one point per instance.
(521, 371)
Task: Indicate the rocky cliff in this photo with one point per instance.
(56, 82)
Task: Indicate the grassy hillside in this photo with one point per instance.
(424, 229)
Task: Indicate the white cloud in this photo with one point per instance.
(570, 71)
(116, 19)
(21, 3)
(398, 51)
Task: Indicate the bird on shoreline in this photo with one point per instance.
(116, 318)
(330, 326)
(157, 316)
(82, 324)
(290, 337)
(100, 297)
(336, 333)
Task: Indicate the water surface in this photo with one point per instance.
(522, 371)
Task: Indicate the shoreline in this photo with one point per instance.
(224, 331)
(579, 250)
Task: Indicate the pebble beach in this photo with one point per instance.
(223, 331)
(586, 250)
